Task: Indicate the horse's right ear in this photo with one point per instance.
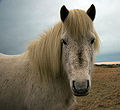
(91, 12)
(64, 13)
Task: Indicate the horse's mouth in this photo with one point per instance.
(80, 94)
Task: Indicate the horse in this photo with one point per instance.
(55, 68)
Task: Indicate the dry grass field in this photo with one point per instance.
(105, 91)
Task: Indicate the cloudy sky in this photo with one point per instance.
(23, 20)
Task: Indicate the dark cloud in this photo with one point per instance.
(22, 20)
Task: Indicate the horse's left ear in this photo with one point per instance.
(64, 13)
(91, 12)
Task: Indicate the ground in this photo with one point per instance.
(105, 91)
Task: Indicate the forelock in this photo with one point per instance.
(78, 23)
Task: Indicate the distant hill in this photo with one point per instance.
(108, 63)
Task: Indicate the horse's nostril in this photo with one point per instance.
(88, 85)
(73, 84)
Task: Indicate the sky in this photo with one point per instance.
(23, 20)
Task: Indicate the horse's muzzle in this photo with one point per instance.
(80, 89)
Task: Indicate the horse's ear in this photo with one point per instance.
(91, 12)
(64, 13)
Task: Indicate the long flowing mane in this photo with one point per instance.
(45, 52)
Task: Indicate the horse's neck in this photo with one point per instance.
(62, 89)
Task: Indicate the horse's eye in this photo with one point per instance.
(92, 41)
(63, 41)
